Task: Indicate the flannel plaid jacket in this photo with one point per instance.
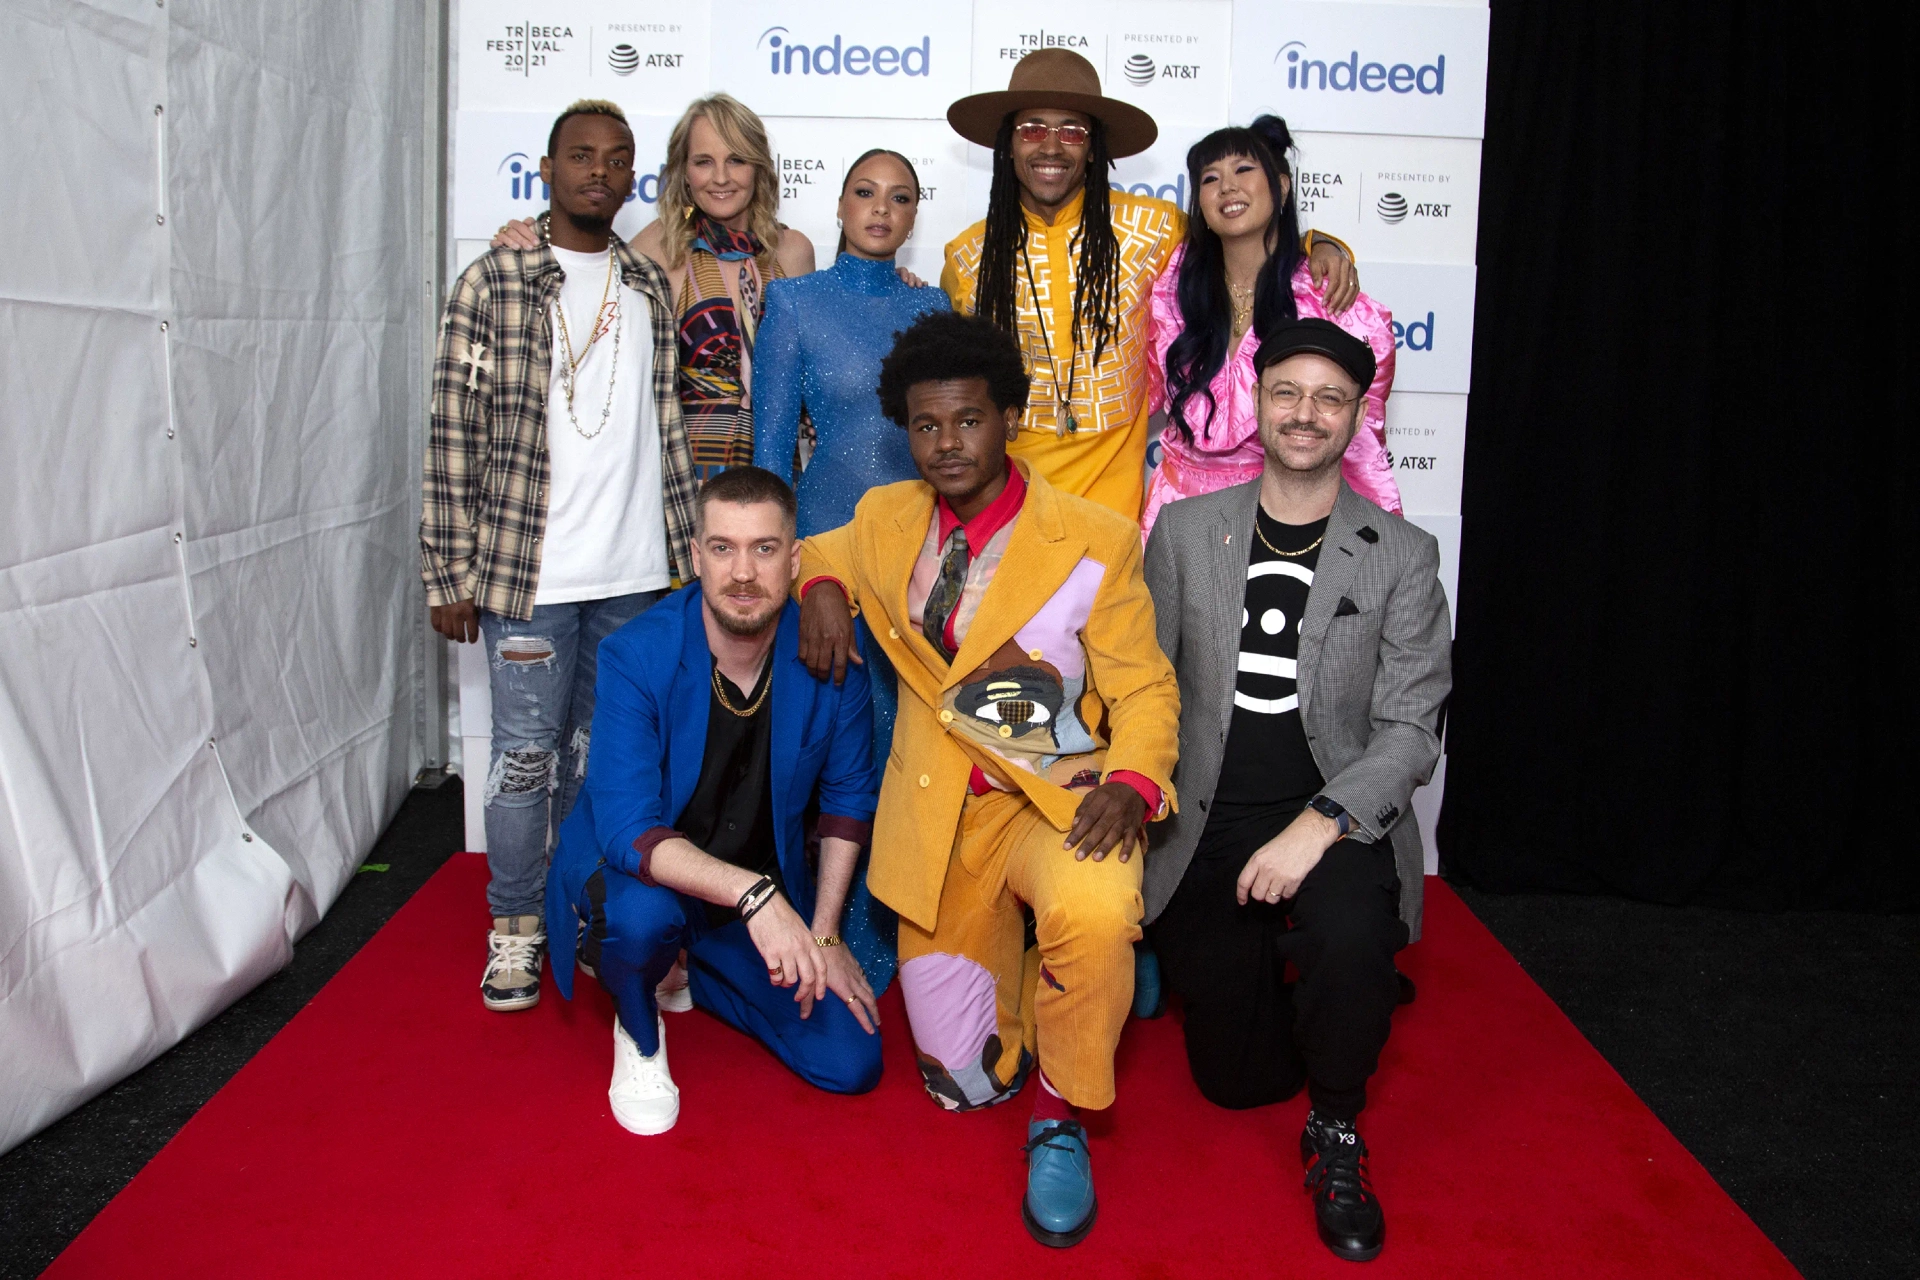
(484, 510)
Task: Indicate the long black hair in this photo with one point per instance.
(913, 176)
(1098, 296)
(1206, 309)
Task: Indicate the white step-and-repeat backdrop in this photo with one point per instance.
(1386, 102)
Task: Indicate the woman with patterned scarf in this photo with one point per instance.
(719, 241)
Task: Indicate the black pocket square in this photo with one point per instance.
(1345, 607)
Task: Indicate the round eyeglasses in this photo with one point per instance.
(1326, 401)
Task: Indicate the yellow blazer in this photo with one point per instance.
(1131, 697)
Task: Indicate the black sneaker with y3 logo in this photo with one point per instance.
(1344, 1207)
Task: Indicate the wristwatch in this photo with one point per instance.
(1323, 805)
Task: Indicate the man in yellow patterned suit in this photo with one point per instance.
(1067, 266)
(1037, 732)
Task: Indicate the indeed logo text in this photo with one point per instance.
(1417, 336)
(1174, 192)
(1352, 75)
(834, 59)
(523, 181)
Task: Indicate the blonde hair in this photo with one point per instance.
(585, 107)
(743, 133)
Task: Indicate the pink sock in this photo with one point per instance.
(1049, 1105)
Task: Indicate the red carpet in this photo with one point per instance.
(395, 1128)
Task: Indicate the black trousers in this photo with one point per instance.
(1253, 1038)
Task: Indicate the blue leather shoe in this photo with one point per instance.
(1060, 1206)
(1149, 997)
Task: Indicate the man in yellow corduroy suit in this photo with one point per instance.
(1037, 733)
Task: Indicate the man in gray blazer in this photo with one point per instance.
(1310, 637)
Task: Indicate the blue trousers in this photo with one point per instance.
(542, 723)
(634, 933)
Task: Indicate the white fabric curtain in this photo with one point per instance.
(210, 362)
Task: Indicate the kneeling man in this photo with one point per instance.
(709, 740)
(1311, 638)
(1035, 736)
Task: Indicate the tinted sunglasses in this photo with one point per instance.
(1071, 135)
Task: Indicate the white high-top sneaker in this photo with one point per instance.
(644, 1097)
(673, 995)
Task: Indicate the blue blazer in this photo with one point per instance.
(651, 698)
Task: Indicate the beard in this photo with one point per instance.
(753, 624)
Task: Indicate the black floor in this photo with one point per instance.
(1782, 1050)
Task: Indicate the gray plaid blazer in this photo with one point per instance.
(1375, 668)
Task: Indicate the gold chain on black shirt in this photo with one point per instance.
(721, 694)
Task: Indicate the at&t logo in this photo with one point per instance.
(1350, 75)
(835, 59)
(1394, 207)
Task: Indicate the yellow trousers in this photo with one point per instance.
(982, 1003)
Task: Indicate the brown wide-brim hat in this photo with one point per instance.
(1065, 81)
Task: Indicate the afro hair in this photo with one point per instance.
(945, 346)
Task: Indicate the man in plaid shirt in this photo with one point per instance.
(558, 499)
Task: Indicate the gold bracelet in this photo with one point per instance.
(831, 940)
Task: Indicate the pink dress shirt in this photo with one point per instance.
(1226, 451)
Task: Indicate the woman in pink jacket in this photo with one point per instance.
(1239, 271)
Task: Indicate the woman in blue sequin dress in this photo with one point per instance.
(819, 349)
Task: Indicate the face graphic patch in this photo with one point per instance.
(1013, 696)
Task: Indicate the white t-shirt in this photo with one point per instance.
(606, 523)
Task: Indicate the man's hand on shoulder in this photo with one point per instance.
(458, 622)
(519, 233)
(1112, 816)
(826, 632)
(1275, 870)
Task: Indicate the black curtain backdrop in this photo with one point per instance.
(1684, 669)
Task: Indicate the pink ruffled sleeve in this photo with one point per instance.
(1163, 326)
(1367, 468)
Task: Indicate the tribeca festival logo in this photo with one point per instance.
(1033, 41)
(1350, 75)
(838, 58)
(523, 46)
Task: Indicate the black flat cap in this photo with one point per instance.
(1321, 338)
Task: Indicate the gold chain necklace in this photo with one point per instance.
(603, 319)
(1241, 298)
(721, 693)
(1291, 555)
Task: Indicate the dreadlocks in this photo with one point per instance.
(1097, 295)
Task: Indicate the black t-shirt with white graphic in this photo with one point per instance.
(1268, 774)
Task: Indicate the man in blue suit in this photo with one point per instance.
(709, 740)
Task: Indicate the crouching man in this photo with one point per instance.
(1035, 738)
(709, 740)
(1311, 640)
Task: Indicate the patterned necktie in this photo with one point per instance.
(945, 596)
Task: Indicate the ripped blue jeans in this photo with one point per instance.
(541, 674)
